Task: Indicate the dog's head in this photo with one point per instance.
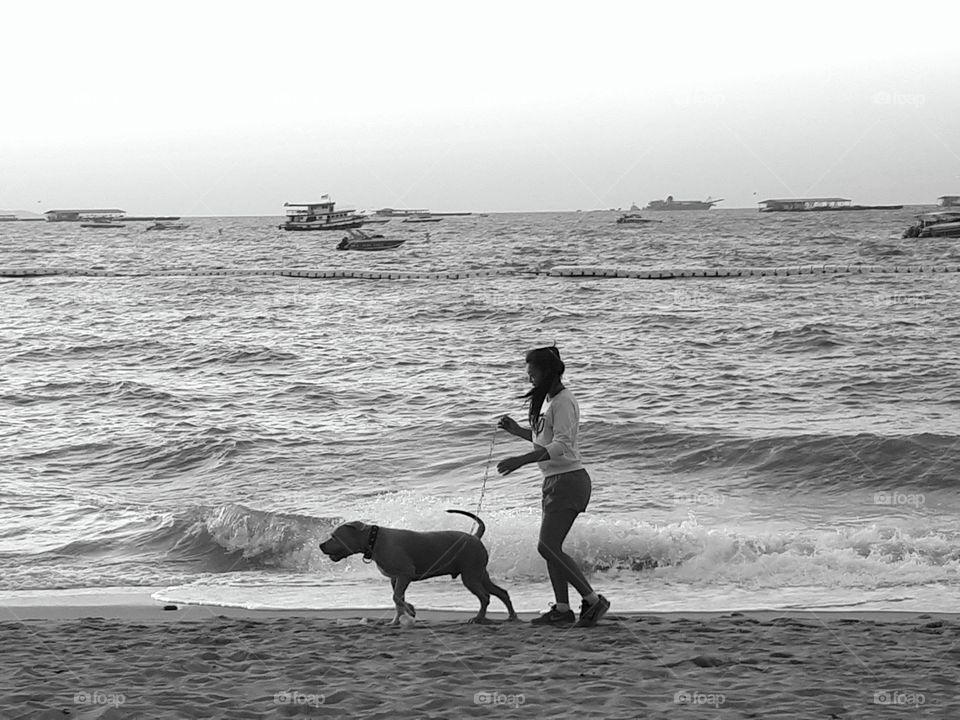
(345, 540)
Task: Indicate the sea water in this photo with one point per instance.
(777, 442)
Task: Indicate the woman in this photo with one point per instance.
(566, 484)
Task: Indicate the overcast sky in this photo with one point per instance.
(232, 108)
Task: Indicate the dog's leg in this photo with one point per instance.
(500, 593)
(399, 602)
(396, 616)
(474, 583)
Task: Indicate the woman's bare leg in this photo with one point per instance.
(563, 570)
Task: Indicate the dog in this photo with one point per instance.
(406, 555)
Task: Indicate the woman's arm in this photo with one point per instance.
(513, 427)
(505, 467)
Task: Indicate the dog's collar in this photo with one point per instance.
(368, 552)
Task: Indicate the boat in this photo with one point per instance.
(88, 215)
(374, 220)
(320, 216)
(394, 212)
(671, 204)
(421, 219)
(633, 217)
(825, 204)
(945, 223)
(103, 224)
(168, 226)
(359, 240)
(20, 216)
(92, 215)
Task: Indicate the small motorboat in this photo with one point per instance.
(359, 240)
(168, 226)
(629, 219)
(945, 223)
(633, 217)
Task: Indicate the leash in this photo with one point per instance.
(486, 472)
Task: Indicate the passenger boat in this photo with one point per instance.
(945, 223)
(671, 204)
(359, 240)
(320, 216)
(819, 204)
(394, 212)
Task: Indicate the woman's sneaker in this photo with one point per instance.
(590, 614)
(554, 617)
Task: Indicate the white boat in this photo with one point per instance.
(633, 217)
(394, 212)
(359, 240)
(320, 216)
(671, 204)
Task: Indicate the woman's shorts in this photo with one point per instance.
(566, 491)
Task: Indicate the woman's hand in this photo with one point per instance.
(510, 425)
(505, 467)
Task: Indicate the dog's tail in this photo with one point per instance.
(481, 527)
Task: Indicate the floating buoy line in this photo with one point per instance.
(556, 271)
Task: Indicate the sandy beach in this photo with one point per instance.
(139, 660)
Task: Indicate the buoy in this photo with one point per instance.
(565, 271)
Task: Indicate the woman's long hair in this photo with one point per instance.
(546, 359)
